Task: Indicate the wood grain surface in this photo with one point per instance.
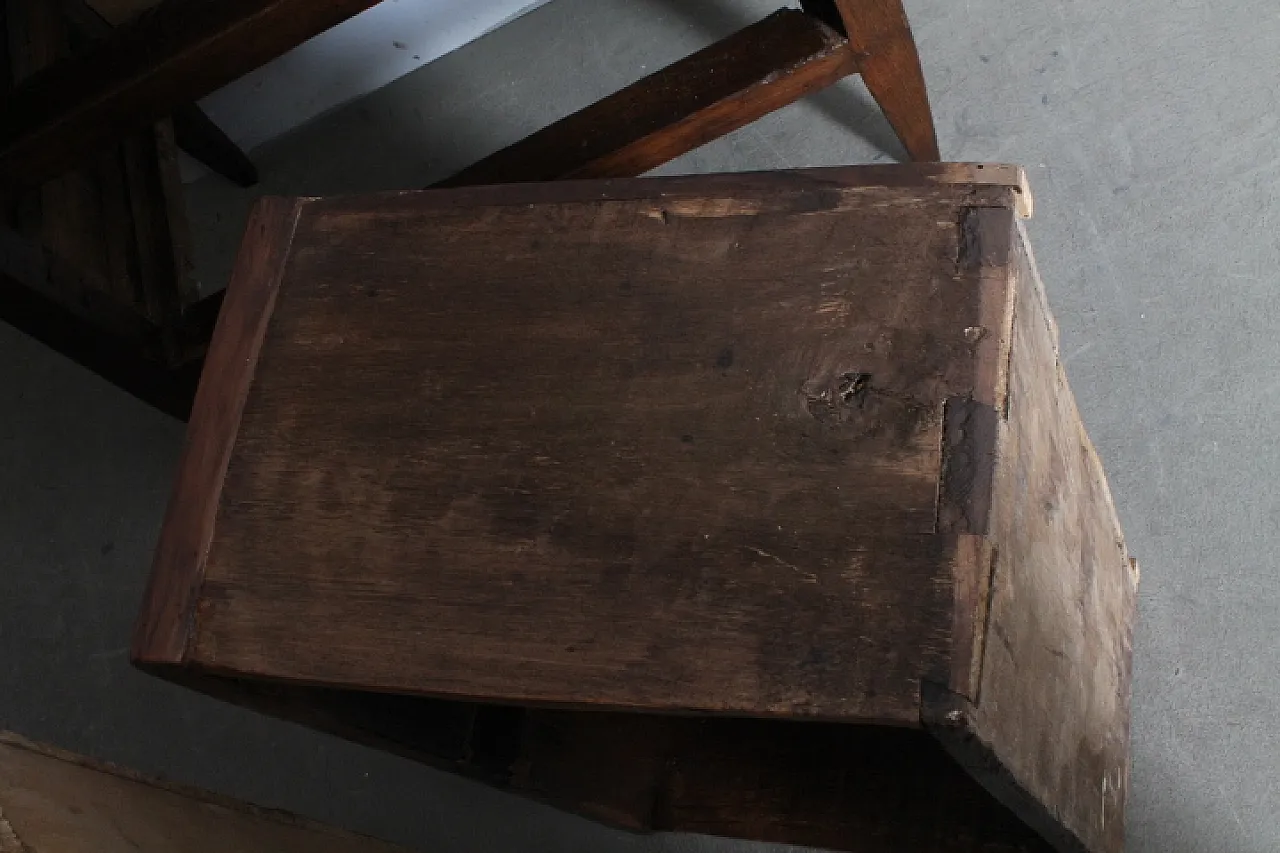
(700, 98)
(642, 432)
(55, 802)
(164, 628)
(502, 444)
(1049, 727)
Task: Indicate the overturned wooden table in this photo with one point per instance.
(755, 505)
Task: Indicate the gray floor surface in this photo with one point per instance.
(1150, 132)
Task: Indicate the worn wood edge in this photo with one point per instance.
(949, 718)
(979, 192)
(973, 425)
(999, 745)
(165, 621)
(192, 664)
(190, 792)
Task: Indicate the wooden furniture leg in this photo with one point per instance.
(890, 65)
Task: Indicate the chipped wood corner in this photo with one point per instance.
(1025, 202)
(990, 174)
(952, 720)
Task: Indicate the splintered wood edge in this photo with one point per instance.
(167, 617)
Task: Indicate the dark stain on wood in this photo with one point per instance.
(969, 435)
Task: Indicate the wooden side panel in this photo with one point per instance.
(700, 98)
(1053, 701)
(862, 789)
(657, 425)
(53, 802)
(168, 609)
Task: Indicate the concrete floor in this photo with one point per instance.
(1150, 130)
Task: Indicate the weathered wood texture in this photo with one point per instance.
(1052, 711)
(189, 521)
(700, 98)
(172, 55)
(776, 406)
(55, 802)
(756, 445)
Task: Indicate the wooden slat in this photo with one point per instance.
(175, 54)
(700, 98)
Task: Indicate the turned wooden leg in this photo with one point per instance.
(890, 66)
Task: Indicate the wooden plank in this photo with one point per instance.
(1048, 728)
(700, 98)
(1009, 184)
(170, 599)
(55, 802)
(177, 53)
(756, 397)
